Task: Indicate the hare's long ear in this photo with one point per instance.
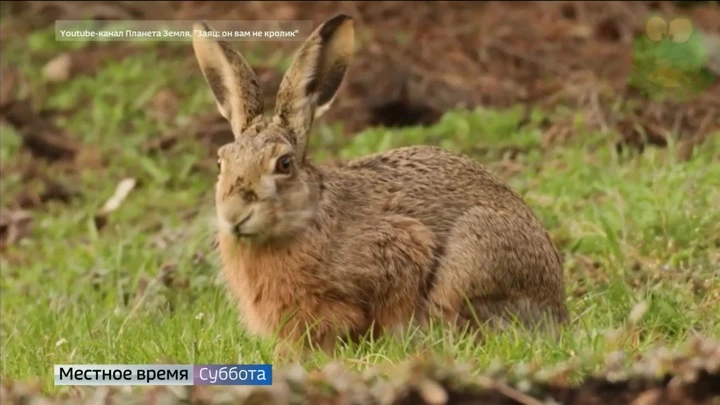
(311, 83)
(231, 79)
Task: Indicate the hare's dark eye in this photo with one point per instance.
(283, 164)
(218, 164)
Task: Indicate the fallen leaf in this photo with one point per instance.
(58, 70)
(122, 190)
(638, 312)
(432, 393)
(14, 225)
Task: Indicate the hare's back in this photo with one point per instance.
(432, 184)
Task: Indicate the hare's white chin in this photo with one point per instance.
(223, 225)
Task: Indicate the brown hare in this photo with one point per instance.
(413, 234)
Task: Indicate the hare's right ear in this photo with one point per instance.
(314, 77)
(231, 79)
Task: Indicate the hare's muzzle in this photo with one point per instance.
(237, 228)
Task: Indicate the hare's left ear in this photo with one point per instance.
(314, 77)
(231, 79)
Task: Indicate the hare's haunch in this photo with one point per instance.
(416, 233)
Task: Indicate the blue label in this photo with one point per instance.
(232, 374)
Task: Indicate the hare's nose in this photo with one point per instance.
(237, 228)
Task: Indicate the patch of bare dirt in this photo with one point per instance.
(48, 151)
(419, 59)
(40, 135)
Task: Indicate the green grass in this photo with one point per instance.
(633, 228)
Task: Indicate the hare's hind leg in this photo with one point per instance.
(498, 267)
(505, 313)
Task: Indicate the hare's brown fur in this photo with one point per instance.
(414, 233)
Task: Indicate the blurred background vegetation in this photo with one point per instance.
(108, 163)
